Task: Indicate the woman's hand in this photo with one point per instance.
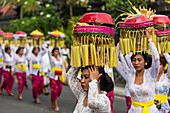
(30, 77)
(12, 73)
(149, 33)
(94, 73)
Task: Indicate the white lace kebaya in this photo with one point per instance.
(97, 103)
(163, 85)
(146, 91)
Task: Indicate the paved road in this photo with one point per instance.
(66, 102)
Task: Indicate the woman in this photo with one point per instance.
(20, 69)
(8, 73)
(90, 92)
(163, 83)
(36, 73)
(142, 82)
(57, 69)
(110, 94)
(1, 65)
(129, 66)
(65, 52)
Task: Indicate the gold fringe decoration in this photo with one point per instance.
(86, 55)
(111, 57)
(115, 63)
(31, 41)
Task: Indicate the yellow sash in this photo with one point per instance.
(145, 105)
(80, 72)
(23, 67)
(5, 64)
(43, 74)
(162, 98)
(53, 69)
(36, 66)
(1, 60)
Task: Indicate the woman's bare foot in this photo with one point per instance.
(37, 101)
(20, 97)
(46, 91)
(0, 91)
(57, 108)
(11, 94)
(52, 104)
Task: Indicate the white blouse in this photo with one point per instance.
(8, 59)
(97, 103)
(163, 85)
(36, 60)
(146, 91)
(123, 61)
(55, 63)
(1, 57)
(67, 52)
(20, 60)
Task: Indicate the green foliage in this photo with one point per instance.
(116, 7)
(45, 20)
(69, 30)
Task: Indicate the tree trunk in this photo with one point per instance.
(21, 11)
(71, 10)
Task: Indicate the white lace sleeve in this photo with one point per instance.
(122, 69)
(129, 62)
(43, 51)
(14, 64)
(63, 68)
(96, 101)
(68, 53)
(26, 51)
(3, 50)
(123, 61)
(167, 57)
(154, 70)
(74, 84)
(30, 64)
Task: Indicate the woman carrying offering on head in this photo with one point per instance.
(57, 71)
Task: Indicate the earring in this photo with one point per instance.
(146, 63)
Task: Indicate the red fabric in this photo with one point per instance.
(96, 17)
(8, 35)
(56, 88)
(161, 19)
(1, 73)
(37, 85)
(20, 33)
(110, 95)
(8, 82)
(58, 72)
(21, 81)
(128, 103)
(135, 19)
(2, 33)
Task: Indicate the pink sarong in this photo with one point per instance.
(21, 81)
(1, 73)
(37, 85)
(110, 95)
(56, 88)
(8, 82)
(128, 103)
